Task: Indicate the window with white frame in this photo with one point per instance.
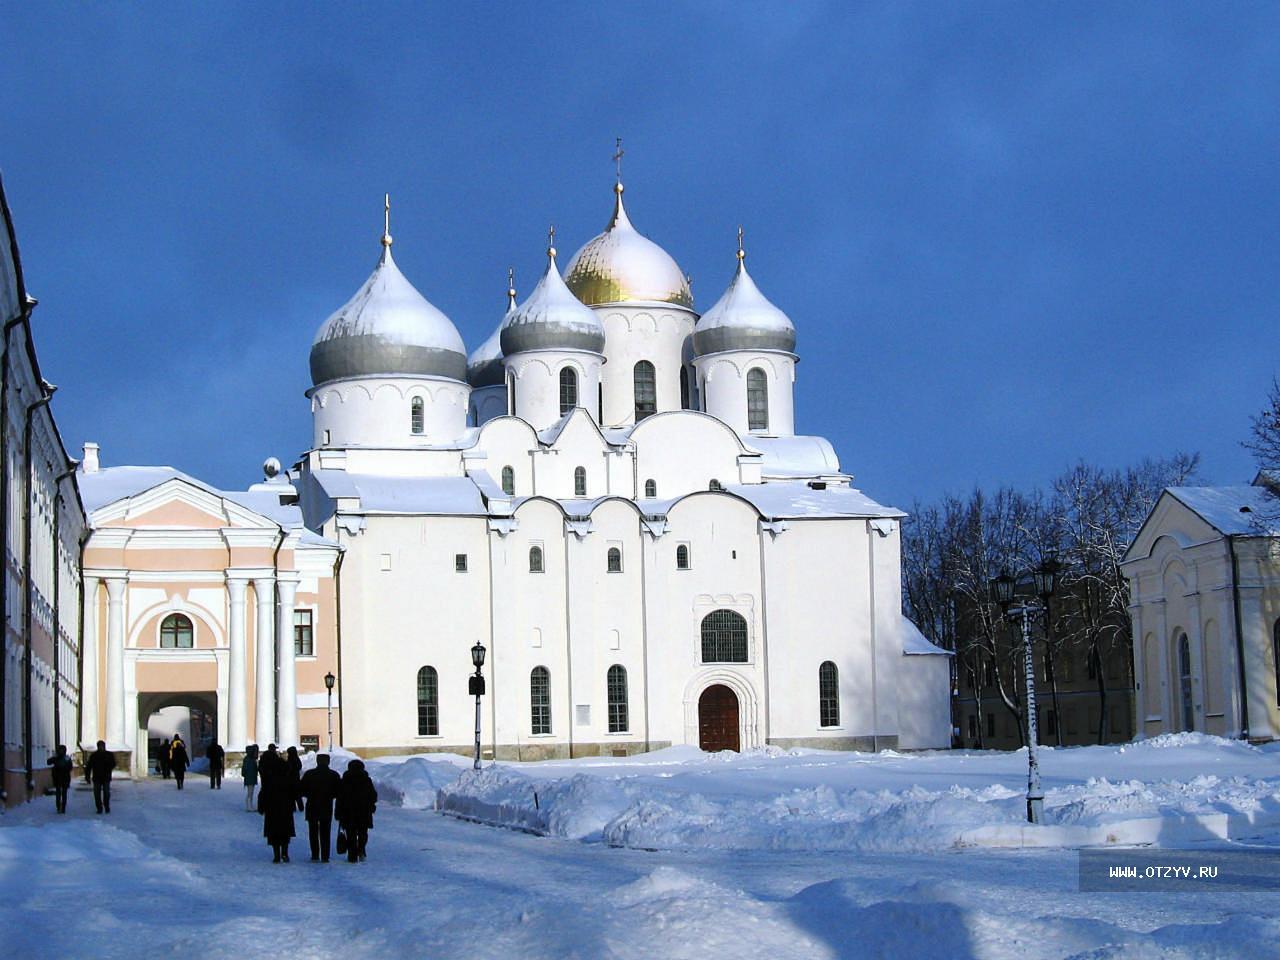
(304, 633)
(540, 700)
(568, 390)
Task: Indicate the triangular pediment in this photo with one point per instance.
(1169, 518)
(179, 504)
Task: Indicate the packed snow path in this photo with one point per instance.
(187, 874)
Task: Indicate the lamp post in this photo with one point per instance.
(475, 687)
(1003, 590)
(329, 681)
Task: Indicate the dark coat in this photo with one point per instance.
(320, 787)
(357, 798)
(215, 755)
(293, 773)
(99, 766)
(270, 767)
(275, 803)
(178, 758)
(61, 770)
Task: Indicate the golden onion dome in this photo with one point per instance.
(621, 265)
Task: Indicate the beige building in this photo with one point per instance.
(219, 603)
(1204, 576)
(41, 523)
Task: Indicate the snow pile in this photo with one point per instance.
(72, 840)
(1158, 791)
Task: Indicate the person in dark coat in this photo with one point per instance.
(293, 773)
(270, 766)
(275, 803)
(217, 758)
(178, 759)
(320, 788)
(98, 770)
(357, 800)
(163, 759)
(62, 765)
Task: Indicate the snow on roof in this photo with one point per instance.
(794, 456)
(793, 499)
(1232, 510)
(915, 643)
(416, 495)
(111, 484)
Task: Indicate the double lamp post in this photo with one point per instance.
(1003, 591)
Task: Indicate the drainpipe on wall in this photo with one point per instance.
(57, 587)
(27, 665)
(84, 540)
(337, 623)
(275, 591)
(1235, 607)
(4, 538)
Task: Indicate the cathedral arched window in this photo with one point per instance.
(682, 557)
(428, 702)
(540, 700)
(568, 390)
(646, 390)
(616, 683)
(535, 560)
(684, 388)
(828, 695)
(417, 416)
(509, 481)
(757, 399)
(176, 632)
(511, 394)
(614, 560)
(724, 637)
(579, 481)
(651, 488)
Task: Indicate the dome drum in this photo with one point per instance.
(520, 337)
(722, 339)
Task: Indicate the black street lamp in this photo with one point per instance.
(1003, 589)
(329, 681)
(475, 687)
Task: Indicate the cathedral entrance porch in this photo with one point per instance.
(718, 719)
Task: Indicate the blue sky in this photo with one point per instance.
(1010, 236)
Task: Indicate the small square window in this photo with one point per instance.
(460, 562)
(385, 561)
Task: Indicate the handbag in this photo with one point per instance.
(341, 842)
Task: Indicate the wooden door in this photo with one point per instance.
(718, 719)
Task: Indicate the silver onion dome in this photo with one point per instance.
(621, 265)
(743, 319)
(388, 328)
(552, 318)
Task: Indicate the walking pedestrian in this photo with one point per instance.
(98, 769)
(163, 758)
(357, 800)
(249, 771)
(293, 773)
(62, 765)
(320, 787)
(217, 758)
(275, 803)
(178, 759)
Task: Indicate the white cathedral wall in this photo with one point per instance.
(722, 381)
(537, 383)
(683, 452)
(487, 403)
(579, 445)
(375, 411)
(634, 332)
(924, 702)
(508, 441)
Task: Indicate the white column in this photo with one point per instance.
(89, 657)
(288, 706)
(265, 707)
(237, 696)
(115, 662)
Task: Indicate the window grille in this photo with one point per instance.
(651, 488)
(568, 390)
(828, 695)
(724, 637)
(757, 399)
(428, 702)
(540, 699)
(535, 560)
(417, 415)
(617, 687)
(646, 390)
(682, 557)
(614, 560)
(579, 481)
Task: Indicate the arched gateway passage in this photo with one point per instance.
(718, 719)
(160, 715)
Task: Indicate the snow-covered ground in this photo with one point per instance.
(188, 874)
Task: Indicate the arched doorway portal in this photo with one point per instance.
(161, 715)
(718, 723)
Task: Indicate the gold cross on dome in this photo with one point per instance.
(617, 156)
(386, 220)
